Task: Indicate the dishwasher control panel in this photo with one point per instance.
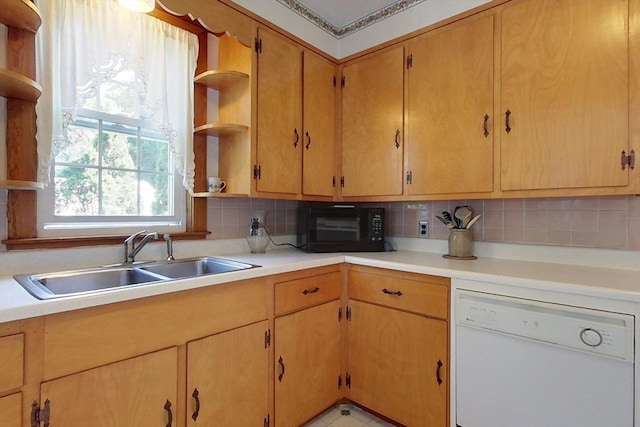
(593, 331)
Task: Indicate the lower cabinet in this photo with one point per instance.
(227, 378)
(398, 345)
(397, 364)
(140, 392)
(307, 359)
(11, 410)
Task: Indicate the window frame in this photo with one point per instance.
(22, 205)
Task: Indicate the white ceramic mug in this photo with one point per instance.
(216, 184)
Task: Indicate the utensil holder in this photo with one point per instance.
(460, 244)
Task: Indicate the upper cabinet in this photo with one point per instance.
(319, 125)
(279, 135)
(372, 125)
(564, 94)
(449, 111)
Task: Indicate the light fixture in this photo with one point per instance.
(142, 6)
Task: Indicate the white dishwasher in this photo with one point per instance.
(525, 363)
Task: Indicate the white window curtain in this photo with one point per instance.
(84, 43)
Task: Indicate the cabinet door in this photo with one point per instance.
(11, 410)
(398, 364)
(137, 392)
(318, 161)
(564, 94)
(449, 140)
(229, 372)
(307, 363)
(279, 127)
(372, 108)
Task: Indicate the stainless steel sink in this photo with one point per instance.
(67, 283)
(180, 269)
(45, 286)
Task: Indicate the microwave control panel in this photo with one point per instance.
(377, 227)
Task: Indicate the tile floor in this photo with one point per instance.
(345, 415)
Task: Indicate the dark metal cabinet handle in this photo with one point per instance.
(388, 292)
(438, 377)
(311, 291)
(507, 115)
(281, 374)
(295, 132)
(195, 395)
(485, 126)
(167, 407)
(308, 140)
(397, 140)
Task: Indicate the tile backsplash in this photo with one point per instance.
(608, 222)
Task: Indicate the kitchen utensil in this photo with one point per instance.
(446, 215)
(473, 221)
(463, 216)
(446, 222)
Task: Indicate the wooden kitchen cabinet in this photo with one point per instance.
(372, 125)
(449, 112)
(319, 120)
(11, 379)
(564, 94)
(398, 345)
(308, 346)
(279, 134)
(227, 378)
(137, 392)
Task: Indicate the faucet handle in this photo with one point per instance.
(134, 236)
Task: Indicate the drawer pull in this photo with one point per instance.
(311, 291)
(438, 377)
(167, 407)
(281, 374)
(388, 292)
(195, 395)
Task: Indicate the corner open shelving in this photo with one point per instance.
(21, 14)
(218, 195)
(15, 85)
(220, 129)
(12, 184)
(220, 79)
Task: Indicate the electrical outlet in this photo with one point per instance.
(423, 229)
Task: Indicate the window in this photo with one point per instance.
(115, 121)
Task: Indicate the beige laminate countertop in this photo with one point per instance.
(610, 283)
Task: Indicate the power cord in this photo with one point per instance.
(279, 244)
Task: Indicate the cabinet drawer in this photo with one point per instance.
(306, 292)
(11, 362)
(416, 293)
(11, 410)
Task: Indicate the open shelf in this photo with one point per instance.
(220, 129)
(21, 14)
(15, 85)
(220, 79)
(218, 195)
(10, 184)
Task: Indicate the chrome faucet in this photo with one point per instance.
(130, 248)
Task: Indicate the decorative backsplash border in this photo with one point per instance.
(340, 32)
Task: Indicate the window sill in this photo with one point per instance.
(77, 241)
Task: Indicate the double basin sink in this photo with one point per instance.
(88, 281)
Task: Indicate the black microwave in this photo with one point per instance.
(340, 228)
